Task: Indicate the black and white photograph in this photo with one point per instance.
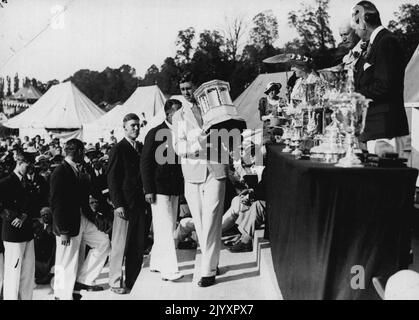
(215, 153)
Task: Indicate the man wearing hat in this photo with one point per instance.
(17, 233)
(379, 76)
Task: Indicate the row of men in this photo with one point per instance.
(128, 176)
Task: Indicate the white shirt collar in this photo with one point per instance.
(131, 142)
(72, 164)
(375, 33)
(168, 124)
(18, 175)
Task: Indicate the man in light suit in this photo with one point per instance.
(379, 76)
(126, 193)
(205, 181)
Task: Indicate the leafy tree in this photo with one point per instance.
(312, 25)
(16, 83)
(233, 33)
(169, 77)
(1, 88)
(151, 77)
(265, 29)
(184, 44)
(406, 27)
(9, 90)
(209, 60)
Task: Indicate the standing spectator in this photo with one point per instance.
(17, 233)
(69, 204)
(379, 76)
(163, 183)
(126, 193)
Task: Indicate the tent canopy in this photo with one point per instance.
(411, 83)
(63, 106)
(27, 93)
(248, 102)
(159, 117)
(148, 100)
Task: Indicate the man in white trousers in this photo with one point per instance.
(162, 178)
(69, 205)
(17, 233)
(205, 180)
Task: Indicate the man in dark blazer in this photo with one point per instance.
(162, 178)
(379, 75)
(127, 197)
(17, 233)
(69, 204)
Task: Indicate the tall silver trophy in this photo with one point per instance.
(350, 111)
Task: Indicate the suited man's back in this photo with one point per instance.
(67, 197)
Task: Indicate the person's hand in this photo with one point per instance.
(267, 117)
(120, 212)
(17, 223)
(65, 240)
(150, 198)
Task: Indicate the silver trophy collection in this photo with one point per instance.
(306, 127)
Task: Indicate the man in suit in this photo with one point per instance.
(69, 204)
(126, 193)
(163, 183)
(17, 233)
(379, 75)
(205, 180)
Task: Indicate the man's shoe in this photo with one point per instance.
(242, 247)
(80, 286)
(119, 290)
(172, 277)
(206, 281)
(77, 296)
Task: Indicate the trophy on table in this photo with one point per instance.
(350, 112)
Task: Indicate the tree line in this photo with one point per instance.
(223, 54)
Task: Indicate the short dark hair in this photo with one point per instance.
(22, 156)
(130, 116)
(169, 104)
(72, 146)
(371, 16)
(188, 76)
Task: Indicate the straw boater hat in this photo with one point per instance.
(291, 59)
(271, 86)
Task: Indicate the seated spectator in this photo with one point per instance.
(44, 242)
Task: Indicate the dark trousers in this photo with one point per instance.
(135, 245)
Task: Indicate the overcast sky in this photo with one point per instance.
(94, 34)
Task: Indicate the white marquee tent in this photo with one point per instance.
(411, 99)
(63, 109)
(146, 102)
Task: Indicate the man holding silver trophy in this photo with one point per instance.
(204, 172)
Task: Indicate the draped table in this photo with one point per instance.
(333, 229)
